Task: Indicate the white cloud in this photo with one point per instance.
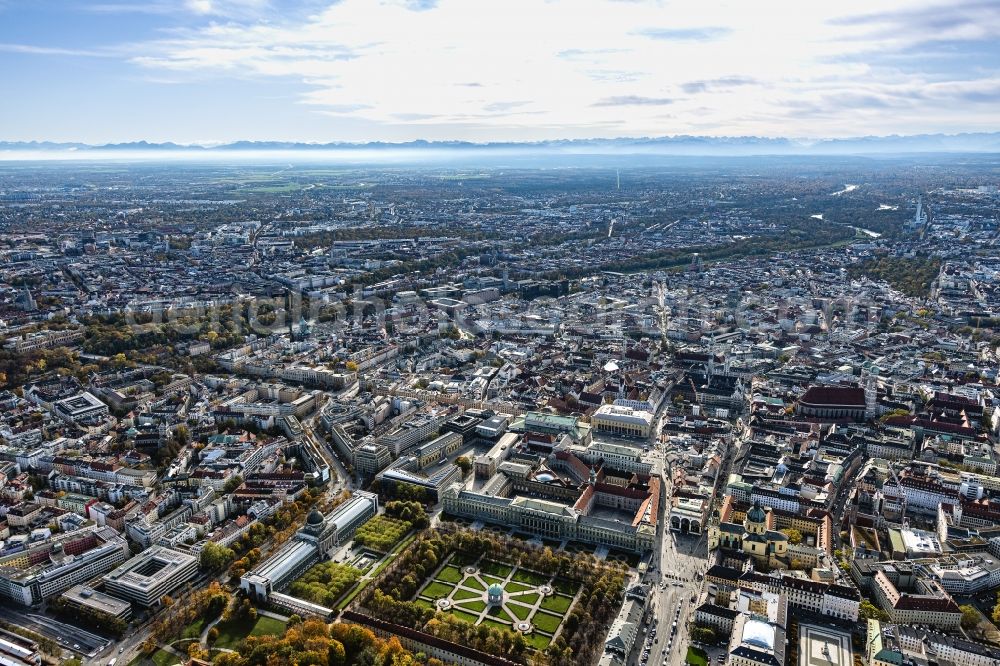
(200, 6)
(568, 68)
(31, 49)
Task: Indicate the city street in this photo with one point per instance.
(673, 581)
(70, 637)
(131, 643)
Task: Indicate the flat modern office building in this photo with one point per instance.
(407, 469)
(83, 596)
(30, 576)
(83, 408)
(151, 574)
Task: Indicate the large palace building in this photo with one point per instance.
(558, 496)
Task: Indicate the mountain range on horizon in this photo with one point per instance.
(973, 142)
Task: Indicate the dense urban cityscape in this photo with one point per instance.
(521, 333)
(738, 411)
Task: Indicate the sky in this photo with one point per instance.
(214, 71)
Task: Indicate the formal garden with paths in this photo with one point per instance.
(499, 595)
(483, 591)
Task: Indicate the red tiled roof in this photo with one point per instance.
(834, 396)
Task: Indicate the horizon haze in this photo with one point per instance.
(218, 71)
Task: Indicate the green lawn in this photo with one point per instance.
(194, 629)
(696, 657)
(538, 641)
(164, 658)
(232, 633)
(469, 605)
(496, 569)
(350, 597)
(499, 613)
(529, 577)
(559, 603)
(268, 626)
(546, 622)
(473, 583)
(468, 617)
(522, 612)
(450, 575)
(436, 590)
(426, 603)
(475, 605)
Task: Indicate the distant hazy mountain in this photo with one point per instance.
(982, 142)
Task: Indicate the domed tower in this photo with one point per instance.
(314, 521)
(756, 520)
(320, 530)
(494, 595)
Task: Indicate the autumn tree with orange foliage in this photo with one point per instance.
(315, 643)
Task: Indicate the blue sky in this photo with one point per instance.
(207, 71)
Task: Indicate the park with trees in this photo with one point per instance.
(316, 642)
(383, 532)
(601, 586)
(325, 582)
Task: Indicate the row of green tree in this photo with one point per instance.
(381, 533)
(411, 511)
(408, 492)
(88, 617)
(324, 583)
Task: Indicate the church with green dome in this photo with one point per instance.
(754, 537)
